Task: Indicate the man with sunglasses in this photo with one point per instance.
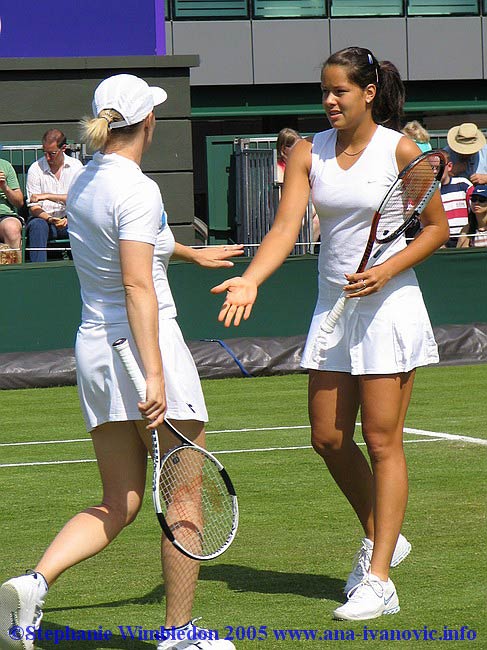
(48, 181)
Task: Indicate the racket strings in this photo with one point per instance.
(404, 199)
(195, 501)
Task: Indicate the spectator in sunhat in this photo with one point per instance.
(468, 152)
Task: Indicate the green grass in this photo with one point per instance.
(297, 536)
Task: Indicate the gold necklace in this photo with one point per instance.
(342, 150)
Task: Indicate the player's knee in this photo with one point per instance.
(381, 446)
(123, 513)
(325, 443)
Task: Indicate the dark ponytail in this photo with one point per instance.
(387, 108)
(364, 69)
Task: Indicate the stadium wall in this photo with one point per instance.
(41, 302)
(43, 93)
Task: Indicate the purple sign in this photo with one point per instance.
(50, 28)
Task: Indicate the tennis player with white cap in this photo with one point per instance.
(121, 245)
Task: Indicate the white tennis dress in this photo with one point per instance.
(386, 332)
(112, 200)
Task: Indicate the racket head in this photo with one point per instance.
(409, 195)
(195, 502)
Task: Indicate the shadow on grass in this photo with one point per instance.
(152, 598)
(239, 578)
(248, 579)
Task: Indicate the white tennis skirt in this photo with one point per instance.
(107, 394)
(387, 332)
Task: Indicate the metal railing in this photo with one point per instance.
(258, 193)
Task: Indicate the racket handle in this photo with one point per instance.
(331, 320)
(131, 366)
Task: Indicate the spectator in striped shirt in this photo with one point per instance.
(454, 194)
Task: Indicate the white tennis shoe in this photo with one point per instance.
(361, 563)
(371, 598)
(194, 638)
(21, 601)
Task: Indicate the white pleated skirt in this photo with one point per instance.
(388, 332)
(107, 394)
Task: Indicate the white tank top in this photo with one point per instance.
(345, 201)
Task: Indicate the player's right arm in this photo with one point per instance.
(143, 315)
(277, 244)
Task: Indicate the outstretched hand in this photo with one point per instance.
(240, 298)
(214, 257)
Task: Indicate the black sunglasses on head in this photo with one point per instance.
(478, 199)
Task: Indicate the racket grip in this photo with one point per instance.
(131, 366)
(333, 316)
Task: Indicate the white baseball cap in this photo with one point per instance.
(131, 96)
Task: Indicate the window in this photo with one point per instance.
(349, 8)
(443, 7)
(289, 8)
(210, 9)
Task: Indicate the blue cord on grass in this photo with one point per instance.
(244, 372)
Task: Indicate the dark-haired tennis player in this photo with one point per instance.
(121, 245)
(384, 333)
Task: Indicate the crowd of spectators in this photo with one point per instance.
(463, 191)
(464, 182)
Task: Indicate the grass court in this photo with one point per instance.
(297, 535)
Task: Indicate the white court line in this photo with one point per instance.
(416, 432)
(446, 436)
(43, 442)
(216, 453)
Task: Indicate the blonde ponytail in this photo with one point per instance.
(95, 131)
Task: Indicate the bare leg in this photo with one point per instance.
(122, 461)
(333, 407)
(180, 572)
(11, 234)
(385, 400)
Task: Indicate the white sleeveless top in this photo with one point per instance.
(345, 200)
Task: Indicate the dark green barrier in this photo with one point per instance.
(41, 304)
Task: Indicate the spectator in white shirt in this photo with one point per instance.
(48, 181)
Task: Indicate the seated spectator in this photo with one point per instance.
(286, 139)
(48, 181)
(468, 152)
(454, 191)
(11, 200)
(419, 134)
(475, 232)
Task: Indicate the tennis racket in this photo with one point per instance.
(193, 495)
(400, 209)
